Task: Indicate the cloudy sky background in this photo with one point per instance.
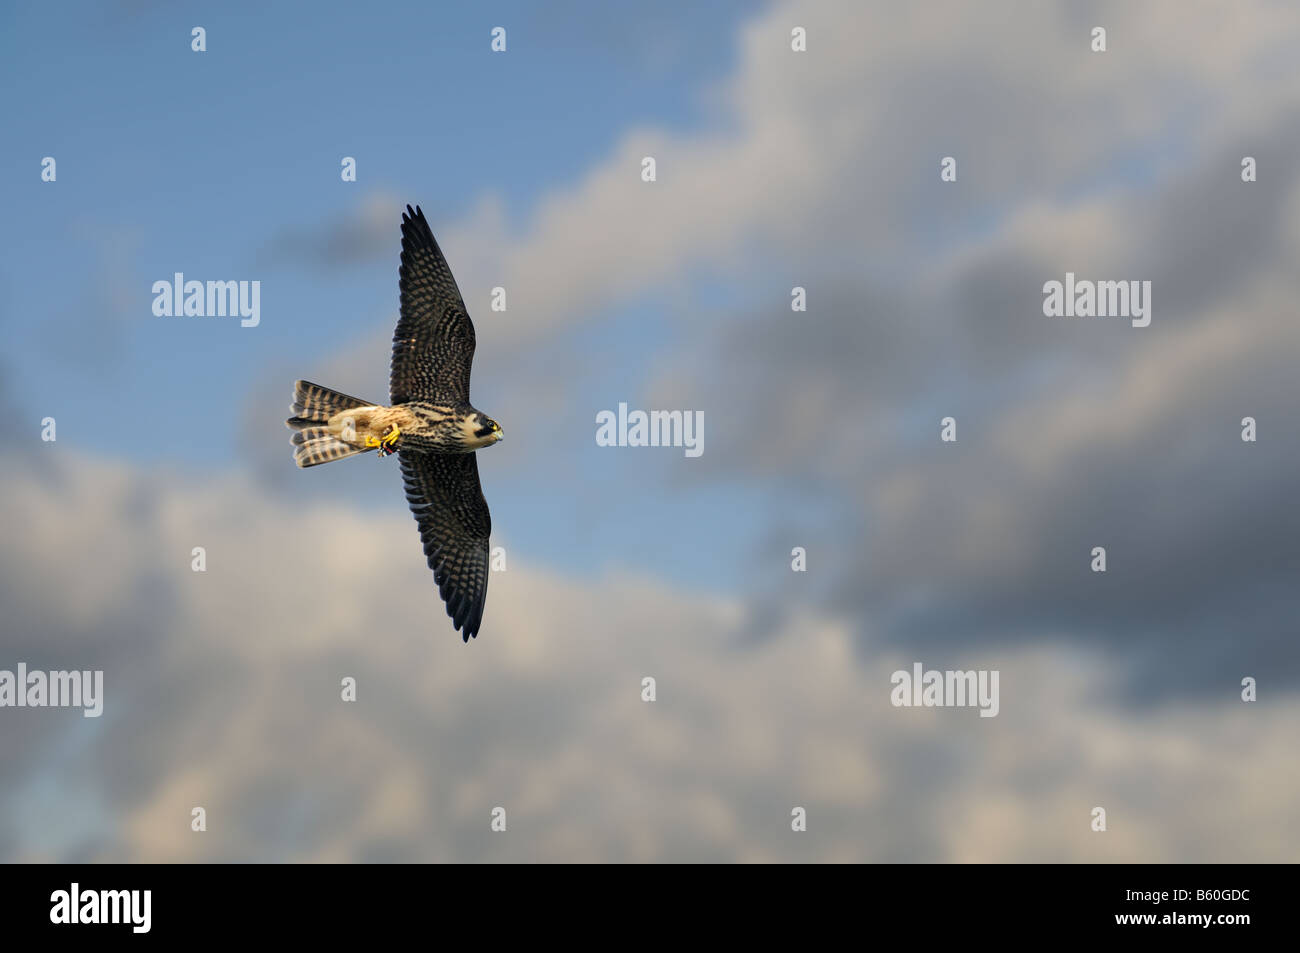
(775, 169)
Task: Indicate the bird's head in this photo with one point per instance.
(481, 431)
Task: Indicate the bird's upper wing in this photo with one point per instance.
(447, 500)
(433, 345)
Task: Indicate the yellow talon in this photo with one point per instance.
(387, 440)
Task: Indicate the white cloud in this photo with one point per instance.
(232, 703)
(840, 145)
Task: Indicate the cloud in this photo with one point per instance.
(363, 233)
(1071, 435)
(840, 146)
(821, 170)
(223, 692)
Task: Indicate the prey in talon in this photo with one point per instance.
(387, 443)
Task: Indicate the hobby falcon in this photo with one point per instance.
(430, 424)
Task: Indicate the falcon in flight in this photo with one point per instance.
(430, 424)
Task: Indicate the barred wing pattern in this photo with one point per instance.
(447, 501)
(433, 346)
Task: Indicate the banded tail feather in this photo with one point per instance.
(318, 404)
(313, 442)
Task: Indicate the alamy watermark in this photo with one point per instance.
(1098, 299)
(76, 906)
(934, 689)
(655, 428)
(38, 689)
(212, 299)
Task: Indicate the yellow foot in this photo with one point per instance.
(387, 442)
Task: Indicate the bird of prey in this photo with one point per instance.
(430, 424)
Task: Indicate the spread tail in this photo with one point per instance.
(313, 406)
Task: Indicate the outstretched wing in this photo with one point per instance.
(433, 345)
(448, 504)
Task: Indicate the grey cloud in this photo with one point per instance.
(366, 232)
(1070, 434)
(223, 692)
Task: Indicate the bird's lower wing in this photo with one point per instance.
(447, 500)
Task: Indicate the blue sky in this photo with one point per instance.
(171, 160)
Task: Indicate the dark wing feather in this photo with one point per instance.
(447, 500)
(433, 346)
